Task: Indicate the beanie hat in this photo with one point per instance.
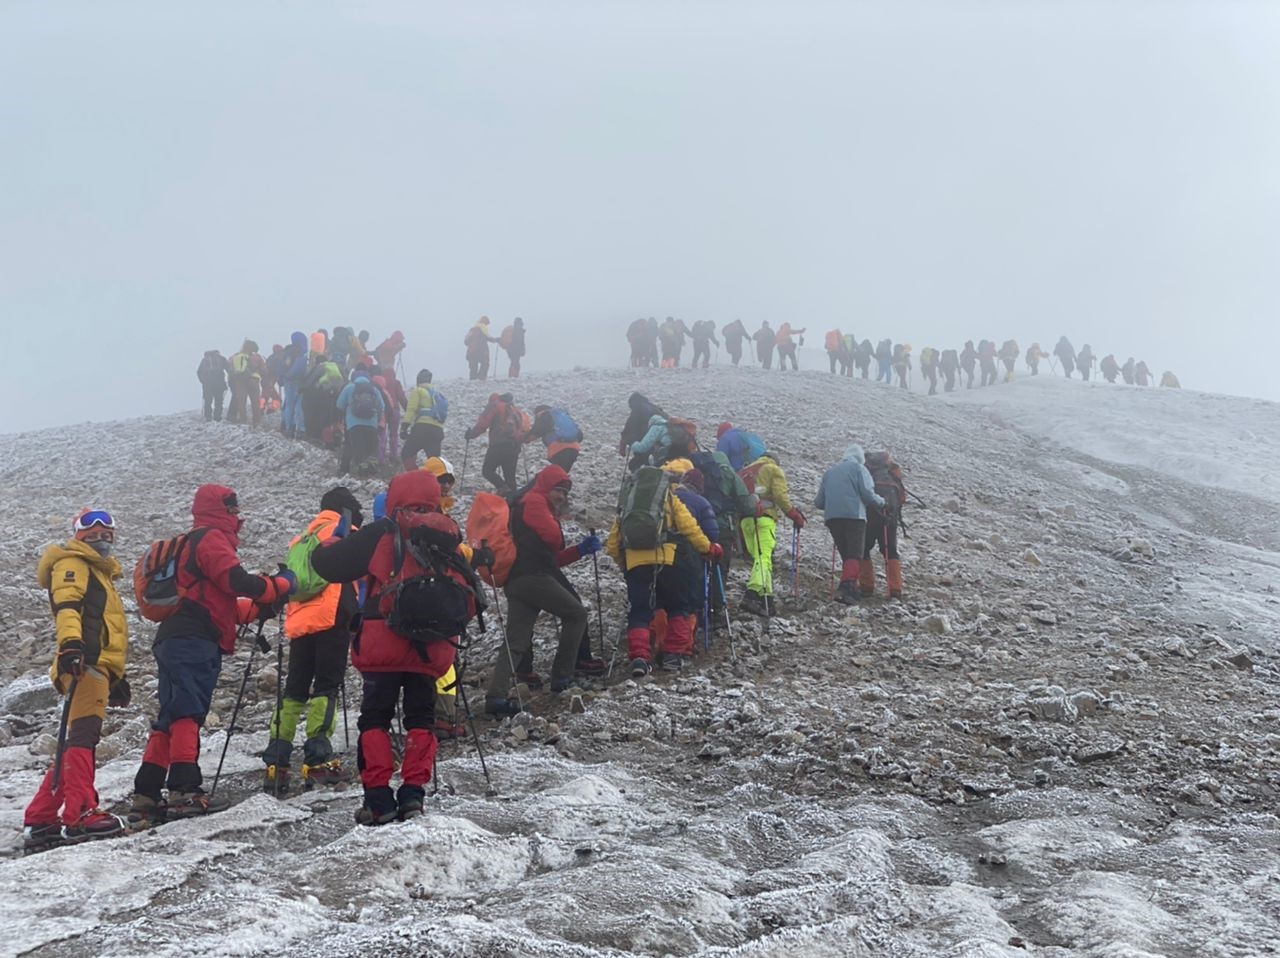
(722, 429)
(339, 498)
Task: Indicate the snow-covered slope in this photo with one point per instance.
(1063, 742)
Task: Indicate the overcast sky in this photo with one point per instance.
(174, 177)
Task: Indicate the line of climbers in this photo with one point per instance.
(844, 353)
(397, 593)
(655, 344)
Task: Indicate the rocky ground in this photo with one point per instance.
(1063, 741)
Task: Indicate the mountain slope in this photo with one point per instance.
(1064, 738)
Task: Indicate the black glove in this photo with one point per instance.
(483, 558)
(120, 695)
(71, 658)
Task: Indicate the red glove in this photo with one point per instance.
(796, 516)
(278, 587)
(246, 610)
(715, 552)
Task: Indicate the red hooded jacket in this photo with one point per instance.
(371, 552)
(208, 609)
(540, 547)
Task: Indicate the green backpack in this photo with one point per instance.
(642, 508)
(298, 561)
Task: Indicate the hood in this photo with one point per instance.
(397, 337)
(380, 381)
(656, 420)
(678, 466)
(298, 339)
(249, 346)
(210, 509)
(78, 549)
(636, 401)
(549, 478)
(360, 376)
(416, 488)
(854, 453)
(722, 429)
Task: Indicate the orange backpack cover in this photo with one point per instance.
(489, 523)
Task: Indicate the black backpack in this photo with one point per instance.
(364, 401)
(717, 488)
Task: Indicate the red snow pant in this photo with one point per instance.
(374, 755)
(76, 794)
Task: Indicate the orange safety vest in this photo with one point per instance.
(320, 612)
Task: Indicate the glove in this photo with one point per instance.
(120, 695)
(716, 552)
(279, 586)
(265, 613)
(482, 557)
(796, 516)
(404, 430)
(590, 545)
(71, 658)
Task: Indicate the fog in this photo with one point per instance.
(176, 177)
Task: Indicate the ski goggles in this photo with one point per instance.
(94, 518)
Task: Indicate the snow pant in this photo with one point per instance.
(785, 352)
(968, 376)
(374, 755)
(901, 371)
(701, 351)
(1084, 373)
(238, 406)
(213, 402)
(393, 434)
(657, 588)
(360, 448)
(950, 376)
(1068, 366)
(424, 437)
(502, 456)
(735, 355)
(884, 535)
(760, 536)
(884, 373)
(931, 377)
(865, 369)
(527, 597)
(292, 422)
(565, 459)
(318, 411)
(1035, 368)
(1008, 365)
(478, 366)
(832, 359)
(766, 357)
(988, 373)
(849, 536)
(513, 366)
(76, 794)
(188, 668)
(317, 664)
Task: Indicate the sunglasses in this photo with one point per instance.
(97, 517)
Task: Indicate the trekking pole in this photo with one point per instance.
(506, 641)
(490, 791)
(466, 454)
(706, 606)
(835, 582)
(346, 727)
(728, 622)
(795, 560)
(62, 734)
(258, 642)
(595, 567)
(275, 785)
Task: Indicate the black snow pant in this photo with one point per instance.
(988, 373)
(931, 374)
(213, 403)
(478, 366)
(565, 459)
(882, 534)
(950, 376)
(701, 351)
(849, 536)
(423, 437)
(360, 448)
(503, 455)
(968, 377)
(833, 358)
(785, 353)
(318, 412)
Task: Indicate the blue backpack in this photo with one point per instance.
(564, 429)
(439, 406)
(755, 446)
